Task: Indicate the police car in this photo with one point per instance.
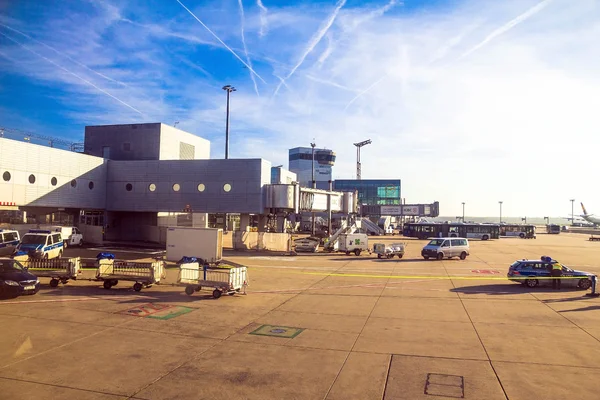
(42, 244)
(8, 242)
(528, 272)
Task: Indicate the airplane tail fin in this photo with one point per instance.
(584, 210)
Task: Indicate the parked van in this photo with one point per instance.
(8, 242)
(38, 243)
(353, 243)
(446, 248)
(71, 236)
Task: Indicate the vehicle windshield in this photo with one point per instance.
(33, 239)
(515, 264)
(436, 242)
(10, 266)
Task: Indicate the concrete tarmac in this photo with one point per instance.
(316, 326)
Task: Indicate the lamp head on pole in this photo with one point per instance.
(229, 88)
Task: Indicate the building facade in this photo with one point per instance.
(301, 163)
(372, 191)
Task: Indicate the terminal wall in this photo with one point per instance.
(124, 142)
(176, 144)
(80, 178)
(261, 241)
(245, 176)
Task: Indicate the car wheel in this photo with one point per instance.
(137, 286)
(585, 284)
(522, 235)
(440, 256)
(485, 237)
(357, 252)
(107, 284)
(81, 243)
(189, 290)
(463, 255)
(399, 255)
(531, 283)
(65, 244)
(378, 255)
(426, 257)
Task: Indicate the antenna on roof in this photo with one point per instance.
(175, 124)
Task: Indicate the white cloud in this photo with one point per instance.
(516, 120)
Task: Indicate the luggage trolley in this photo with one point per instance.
(223, 278)
(57, 269)
(144, 274)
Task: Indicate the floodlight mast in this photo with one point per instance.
(358, 146)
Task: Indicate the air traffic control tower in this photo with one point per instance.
(301, 163)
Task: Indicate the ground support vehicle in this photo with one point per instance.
(143, 274)
(57, 269)
(353, 243)
(309, 244)
(8, 242)
(383, 251)
(222, 278)
(594, 238)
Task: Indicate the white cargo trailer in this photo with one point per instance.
(202, 243)
(353, 243)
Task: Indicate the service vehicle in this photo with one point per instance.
(8, 242)
(384, 251)
(39, 243)
(15, 280)
(71, 236)
(353, 243)
(446, 248)
(553, 229)
(426, 230)
(532, 273)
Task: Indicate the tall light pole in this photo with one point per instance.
(463, 219)
(312, 169)
(572, 212)
(500, 211)
(358, 165)
(228, 89)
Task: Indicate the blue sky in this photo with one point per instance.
(464, 100)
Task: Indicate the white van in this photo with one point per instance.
(8, 242)
(71, 236)
(353, 243)
(38, 243)
(446, 248)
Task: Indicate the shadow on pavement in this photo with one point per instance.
(499, 289)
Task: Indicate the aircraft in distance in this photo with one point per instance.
(590, 217)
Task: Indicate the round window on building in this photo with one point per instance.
(227, 187)
(6, 176)
(152, 187)
(176, 187)
(91, 185)
(129, 187)
(74, 183)
(32, 178)
(201, 187)
(53, 181)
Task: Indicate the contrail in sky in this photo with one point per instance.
(244, 43)
(62, 54)
(314, 40)
(377, 82)
(263, 18)
(222, 42)
(72, 73)
(508, 26)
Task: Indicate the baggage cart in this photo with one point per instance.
(143, 274)
(222, 278)
(383, 251)
(59, 270)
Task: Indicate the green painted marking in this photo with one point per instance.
(277, 331)
(171, 312)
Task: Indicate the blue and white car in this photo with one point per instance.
(42, 244)
(529, 272)
(8, 242)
